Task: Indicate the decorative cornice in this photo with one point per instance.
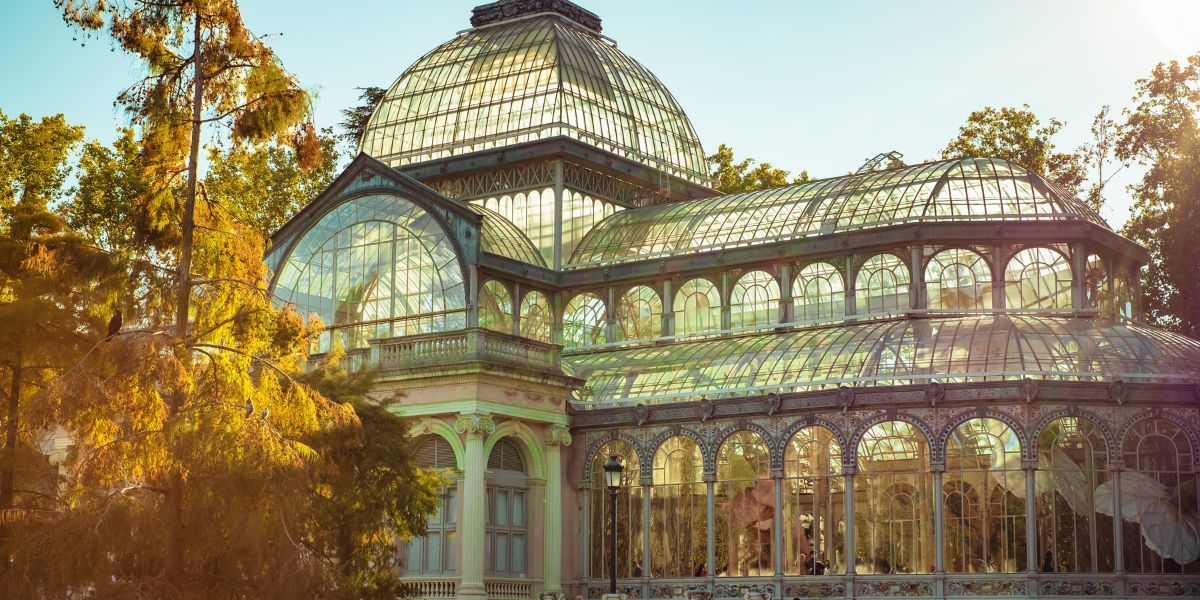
(557, 435)
(505, 10)
(470, 423)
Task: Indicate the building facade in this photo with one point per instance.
(914, 380)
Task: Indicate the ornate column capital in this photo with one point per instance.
(558, 435)
(480, 423)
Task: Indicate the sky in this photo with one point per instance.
(805, 85)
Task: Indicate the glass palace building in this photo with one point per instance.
(915, 380)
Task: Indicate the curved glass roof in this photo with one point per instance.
(955, 190)
(883, 353)
(530, 79)
(499, 236)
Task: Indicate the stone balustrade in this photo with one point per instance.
(463, 346)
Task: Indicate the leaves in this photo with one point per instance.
(731, 177)
(1017, 135)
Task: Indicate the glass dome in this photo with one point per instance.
(527, 79)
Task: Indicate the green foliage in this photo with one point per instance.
(732, 177)
(33, 158)
(1162, 132)
(356, 117)
(1017, 135)
(265, 186)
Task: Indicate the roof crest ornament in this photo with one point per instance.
(884, 161)
(507, 10)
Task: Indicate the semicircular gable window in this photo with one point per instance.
(375, 267)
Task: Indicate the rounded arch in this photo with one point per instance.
(496, 305)
(958, 277)
(850, 454)
(1101, 426)
(536, 316)
(444, 430)
(530, 446)
(639, 312)
(754, 299)
(768, 440)
(881, 284)
(1028, 448)
(590, 453)
(818, 292)
(697, 307)
(838, 432)
(1156, 413)
(584, 320)
(652, 447)
(1038, 277)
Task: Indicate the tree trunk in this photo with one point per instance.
(7, 472)
(173, 567)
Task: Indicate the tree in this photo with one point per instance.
(1017, 135)
(1097, 154)
(1162, 133)
(265, 186)
(734, 177)
(357, 117)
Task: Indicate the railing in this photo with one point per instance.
(465, 345)
(508, 589)
(430, 588)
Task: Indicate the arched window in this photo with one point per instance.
(983, 494)
(629, 514)
(958, 279)
(1123, 297)
(1158, 500)
(374, 267)
(584, 321)
(814, 510)
(507, 511)
(678, 513)
(434, 552)
(1095, 283)
(882, 285)
(818, 293)
(697, 308)
(893, 522)
(495, 307)
(754, 300)
(745, 507)
(535, 316)
(639, 314)
(531, 212)
(1074, 535)
(1038, 278)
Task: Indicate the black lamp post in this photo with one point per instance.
(612, 479)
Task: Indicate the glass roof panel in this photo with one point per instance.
(499, 236)
(894, 352)
(956, 190)
(527, 80)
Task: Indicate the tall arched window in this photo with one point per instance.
(882, 285)
(536, 316)
(745, 507)
(1038, 278)
(374, 267)
(983, 494)
(893, 518)
(639, 314)
(814, 511)
(434, 552)
(507, 511)
(697, 307)
(958, 279)
(584, 321)
(1158, 500)
(818, 293)
(1074, 535)
(629, 514)
(678, 514)
(754, 300)
(495, 307)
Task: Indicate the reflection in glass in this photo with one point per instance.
(629, 514)
(814, 519)
(1038, 278)
(1074, 535)
(745, 507)
(754, 300)
(584, 321)
(983, 493)
(818, 293)
(893, 515)
(639, 314)
(495, 307)
(697, 308)
(882, 285)
(958, 279)
(1095, 283)
(536, 316)
(678, 519)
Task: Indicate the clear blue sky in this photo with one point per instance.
(805, 85)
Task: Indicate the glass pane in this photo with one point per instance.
(518, 509)
(518, 554)
(501, 508)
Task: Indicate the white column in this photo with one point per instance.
(1119, 556)
(939, 520)
(646, 479)
(777, 540)
(557, 436)
(472, 520)
(850, 542)
(711, 557)
(1031, 556)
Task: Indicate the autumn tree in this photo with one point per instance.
(731, 176)
(356, 117)
(1017, 135)
(1161, 132)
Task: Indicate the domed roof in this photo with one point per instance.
(963, 190)
(531, 72)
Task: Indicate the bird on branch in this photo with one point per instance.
(114, 326)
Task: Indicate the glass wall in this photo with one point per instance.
(814, 510)
(754, 300)
(818, 293)
(530, 211)
(584, 321)
(983, 495)
(1038, 278)
(629, 514)
(639, 314)
(958, 279)
(1074, 533)
(1161, 533)
(882, 285)
(697, 308)
(745, 507)
(678, 518)
(1097, 293)
(536, 318)
(495, 307)
(893, 495)
(581, 212)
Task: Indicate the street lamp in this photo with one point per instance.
(612, 479)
